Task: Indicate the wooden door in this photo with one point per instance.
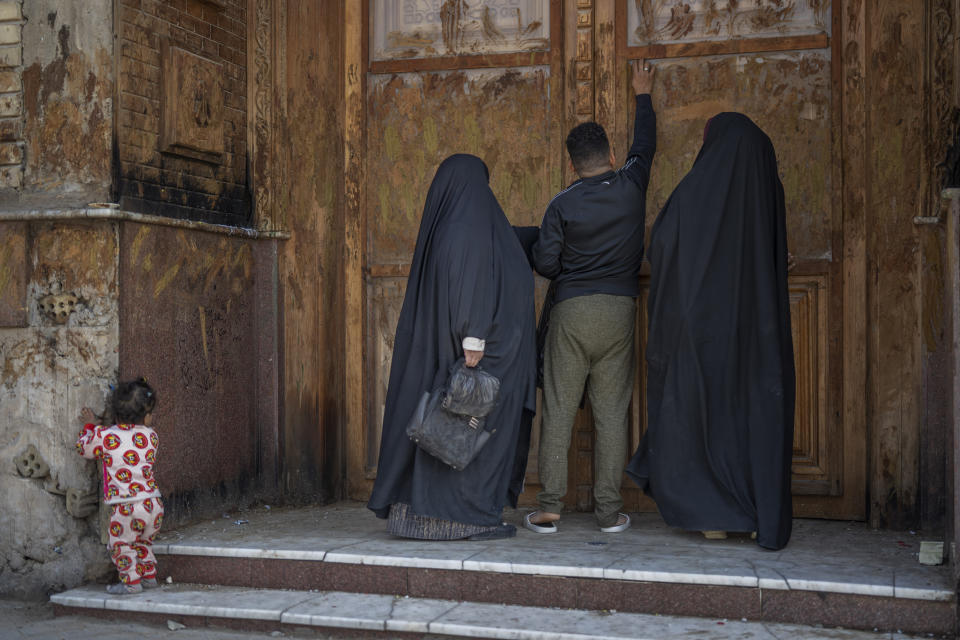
(775, 62)
(505, 80)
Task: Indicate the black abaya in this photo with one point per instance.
(469, 278)
(720, 369)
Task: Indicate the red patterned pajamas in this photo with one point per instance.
(132, 527)
(127, 453)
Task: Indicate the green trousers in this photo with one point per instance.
(589, 340)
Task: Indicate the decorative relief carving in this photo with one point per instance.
(662, 21)
(943, 101)
(429, 28)
(263, 96)
(584, 60)
(191, 105)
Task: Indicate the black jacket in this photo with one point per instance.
(591, 238)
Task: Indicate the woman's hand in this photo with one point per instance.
(87, 416)
(472, 358)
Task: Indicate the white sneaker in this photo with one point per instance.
(539, 527)
(620, 526)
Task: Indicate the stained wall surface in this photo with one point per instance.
(191, 323)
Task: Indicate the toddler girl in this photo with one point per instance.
(128, 450)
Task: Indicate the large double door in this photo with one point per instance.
(505, 80)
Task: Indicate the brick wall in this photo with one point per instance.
(158, 170)
(11, 95)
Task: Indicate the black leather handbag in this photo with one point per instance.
(449, 423)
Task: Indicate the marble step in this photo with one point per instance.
(832, 574)
(292, 612)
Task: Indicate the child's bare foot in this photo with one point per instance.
(122, 589)
(149, 583)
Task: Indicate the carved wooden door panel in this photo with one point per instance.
(777, 63)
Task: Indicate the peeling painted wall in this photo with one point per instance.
(68, 102)
(49, 372)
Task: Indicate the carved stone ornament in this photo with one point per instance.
(30, 464)
(456, 27)
(81, 504)
(58, 307)
(191, 105)
(662, 21)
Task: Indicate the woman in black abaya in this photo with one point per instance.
(720, 374)
(470, 290)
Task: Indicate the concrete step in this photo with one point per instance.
(832, 574)
(294, 612)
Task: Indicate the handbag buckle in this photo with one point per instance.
(474, 422)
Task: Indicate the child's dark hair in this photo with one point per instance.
(132, 401)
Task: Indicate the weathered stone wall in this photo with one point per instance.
(51, 367)
(67, 103)
(182, 125)
(59, 306)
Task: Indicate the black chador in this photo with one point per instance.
(469, 278)
(720, 371)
